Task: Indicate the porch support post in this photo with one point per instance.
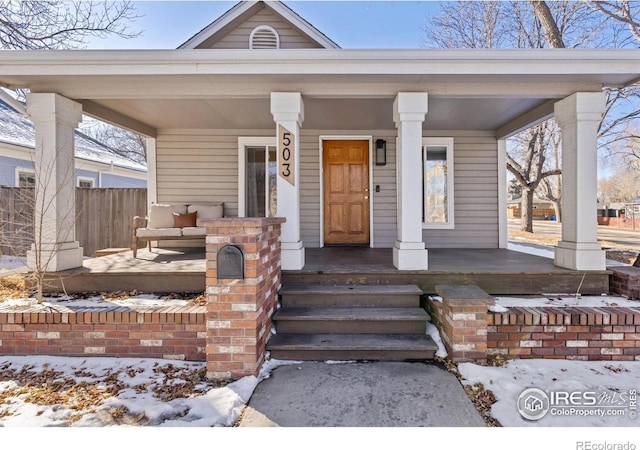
(409, 112)
(55, 248)
(503, 224)
(578, 116)
(288, 113)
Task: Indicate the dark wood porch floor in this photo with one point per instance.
(497, 271)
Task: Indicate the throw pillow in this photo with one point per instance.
(184, 220)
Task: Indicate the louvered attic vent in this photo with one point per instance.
(264, 37)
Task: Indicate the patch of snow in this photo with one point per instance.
(432, 331)
(11, 263)
(497, 309)
(218, 407)
(141, 301)
(566, 301)
(435, 298)
(545, 252)
(611, 381)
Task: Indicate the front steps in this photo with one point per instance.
(361, 322)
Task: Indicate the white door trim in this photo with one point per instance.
(323, 138)
(243, 143)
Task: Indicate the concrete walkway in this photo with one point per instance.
(379, 394)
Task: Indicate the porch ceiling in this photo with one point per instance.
(445, 113)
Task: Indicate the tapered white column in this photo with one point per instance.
(55, 118)
(579, 116)
(409, 112)
(288, 113)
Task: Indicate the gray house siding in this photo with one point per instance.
(8, 167)
(116, 181)
(239, 36)
(202, 165)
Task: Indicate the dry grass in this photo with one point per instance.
(624, 253)
(12, 286)
(48, 387)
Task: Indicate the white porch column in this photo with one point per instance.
(288, 113)
(55, 118)
(409, 112)
(578, 116)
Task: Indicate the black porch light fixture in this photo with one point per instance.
(381, 152)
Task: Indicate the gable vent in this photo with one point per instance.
(264, 37)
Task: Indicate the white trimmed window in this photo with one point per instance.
(264, 37)
(86, 182)
(437, 182)
(25, 178)
(257, 176)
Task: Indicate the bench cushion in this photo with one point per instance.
(161, 215)
(159, 232)
(194, 231)
(207, 210)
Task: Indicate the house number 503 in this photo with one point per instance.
(286, 150)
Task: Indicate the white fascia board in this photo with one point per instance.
(13, 102)
(16, 151)
(95, 166)
(28, 64)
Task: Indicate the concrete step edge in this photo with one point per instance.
(351, 314)
(364, 289)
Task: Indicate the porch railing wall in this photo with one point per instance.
(104, 218)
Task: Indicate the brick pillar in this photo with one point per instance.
(464, 322)
(239, 311)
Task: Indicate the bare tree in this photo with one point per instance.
(527, 163)
(59, 24)
(122, 142)
(622, 186)
(625, 12)
(552, 185)
(552, 33)
(538, 24)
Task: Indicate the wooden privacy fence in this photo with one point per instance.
(104, 218)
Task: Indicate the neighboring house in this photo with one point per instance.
(96, 165)
(402, 149)
(542, 209)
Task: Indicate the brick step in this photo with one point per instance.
(372, 347)
(351, 320)
(351, 296)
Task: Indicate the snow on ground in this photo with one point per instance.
(563, 301)
(97, 301)
(600, 390)
(11, 263)
(132, 383)
(537, 250)
(547, 252)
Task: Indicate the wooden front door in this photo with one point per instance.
(346, 192)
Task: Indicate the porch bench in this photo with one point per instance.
(173, 222)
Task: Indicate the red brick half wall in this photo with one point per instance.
(167, 332)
